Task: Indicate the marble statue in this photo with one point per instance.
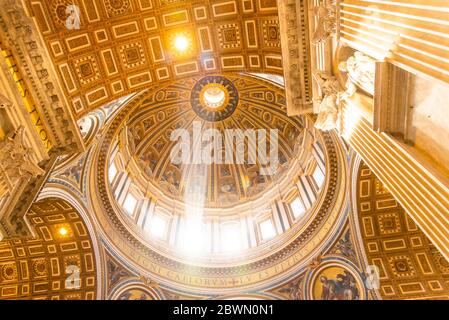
(333, 96)
(361, 71)
(15, 162)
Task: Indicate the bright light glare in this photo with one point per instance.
(214, 97)
(318, 176)
(352, 118)
(158, 226)
(230, 238)
(192, 238)
(297, 208)
(130, 204)
(112, 172)
(181, 43)
(63, 232)
(267, 230)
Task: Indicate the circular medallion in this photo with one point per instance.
(135, 294)
(336, 283)
(214, 98)
(335, 279)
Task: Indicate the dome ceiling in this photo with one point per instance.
(247, 103)
(128, 45)
(250, 225)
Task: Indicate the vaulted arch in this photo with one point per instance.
(57, 264)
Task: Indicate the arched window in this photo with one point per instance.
(297, 208)
(157, 226)
(267, 229)
(112, 172)
(130, 204)
(231, 239)
(318, 176)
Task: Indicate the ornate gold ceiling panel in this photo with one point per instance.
(410, 266)
(129, 45)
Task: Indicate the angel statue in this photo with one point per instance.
(330, 105)
(361, 71)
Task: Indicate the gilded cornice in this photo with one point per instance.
(19, 35)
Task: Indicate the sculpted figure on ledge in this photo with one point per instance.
(361, 71)
(330, 104)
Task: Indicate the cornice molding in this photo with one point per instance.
(296, 53)
(18, 33)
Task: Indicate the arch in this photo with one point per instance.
(58, 263)
(135, 290)
(60, 192)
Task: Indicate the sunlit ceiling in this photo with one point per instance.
(245, 103)
(210, 210)
(125, 46)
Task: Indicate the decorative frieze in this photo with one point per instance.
(32, 73)
(293, 19)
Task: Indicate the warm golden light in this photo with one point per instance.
(63, 232)
(181, 43)
(214, 96)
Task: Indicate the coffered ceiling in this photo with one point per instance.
(40, 268)
(124, 46)
(410, 267)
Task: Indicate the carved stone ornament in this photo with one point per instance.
(19, 35)
(326, 25)
(15, 162)
(330, 105)
(361, 71)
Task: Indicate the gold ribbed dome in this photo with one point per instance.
(238, 103)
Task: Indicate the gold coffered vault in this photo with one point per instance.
(224, 149)
(137, 48)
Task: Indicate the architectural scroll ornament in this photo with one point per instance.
(326, 25)
(332, 98)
